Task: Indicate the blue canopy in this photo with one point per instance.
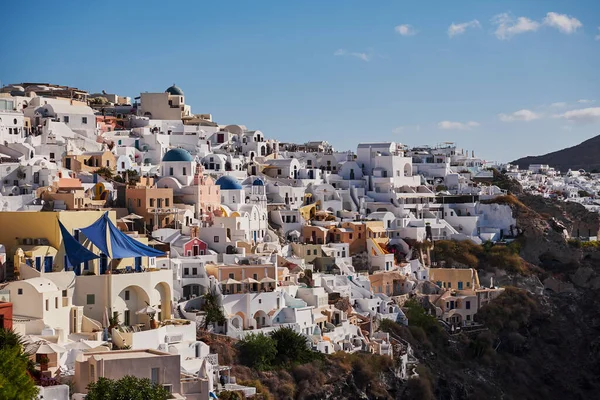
(122, 246)
(76, 252)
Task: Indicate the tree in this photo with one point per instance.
(213, 314)
(257, 351)
(127, 388)
(15, 380)
(291, 346)
(104, 172)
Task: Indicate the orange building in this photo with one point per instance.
(90, 162)
(152, 203)
(6, 315)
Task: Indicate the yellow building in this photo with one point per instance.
(35, 232)
(450, 278)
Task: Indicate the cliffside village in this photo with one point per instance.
(578, 186)
(119, 216)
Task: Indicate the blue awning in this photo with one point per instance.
(75, 251)
(122, 246)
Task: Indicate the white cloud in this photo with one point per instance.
(457, 125)
(585, 101)
(563, 22)
(508, 26)
(583, 116)
(521, 115)
(362, 56)
(459, 29)
(405, 30)
(559, 104)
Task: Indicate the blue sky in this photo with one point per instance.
(508, 83)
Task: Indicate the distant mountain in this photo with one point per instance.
(585, 156)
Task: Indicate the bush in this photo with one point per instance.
(258, 351)
(230, 395)
(292, 347)
(126, 388)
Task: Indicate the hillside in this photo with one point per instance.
(583, 156)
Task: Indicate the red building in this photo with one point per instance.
(195, 247)
(6, 315)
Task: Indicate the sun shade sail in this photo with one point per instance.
(121, 245)
(76, 253)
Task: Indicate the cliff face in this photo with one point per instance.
(583, 156)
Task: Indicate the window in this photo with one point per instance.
(184, 171)
(168, 388)
(315, 252)
(127, 317)
(232, 276)
(194, 271)
(468, 317)
(126, 295)
(84, 120)
(171, 171)
(91, 299)
(186, 271)
(56, 302)
(64, 293)
(449, 285)
(154, 375)
(92, 373)
(468, 305)
(216, 239)
(259, 301)
(151, 202)
(20, 291)
(66, 119)
(460, 285)
(52, 156)
(255, 276)
(47, 305)
(308, 252)
(167, 202)
(139, 202)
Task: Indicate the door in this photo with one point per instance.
(67, 163)
(103, 263)
(197, 249)
(126, 318)
(138, 264)
(48, 263)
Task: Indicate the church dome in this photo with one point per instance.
(177, 155)
(227, 182)
(174, 90)
(258, 182)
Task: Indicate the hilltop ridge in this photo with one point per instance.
(582, 156)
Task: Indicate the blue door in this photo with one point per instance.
(138, 264)
(38, 263)
(103, 263)
(48, 263)
(254, 236)
(67, 264)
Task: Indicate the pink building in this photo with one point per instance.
(209, 194)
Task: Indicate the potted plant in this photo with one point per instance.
(44, 360)
(113, 322)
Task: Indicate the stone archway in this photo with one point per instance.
(163, 298)
(129, 301)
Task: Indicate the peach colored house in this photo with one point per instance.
(161, 368)
(389, 283)
(358, 239)
(152, 203)
(70, 192)
(315, 234)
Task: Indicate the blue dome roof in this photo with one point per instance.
(177, 155)
(174, 90)
(227, 182)
(258, 182)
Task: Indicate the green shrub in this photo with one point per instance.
(258, 351)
